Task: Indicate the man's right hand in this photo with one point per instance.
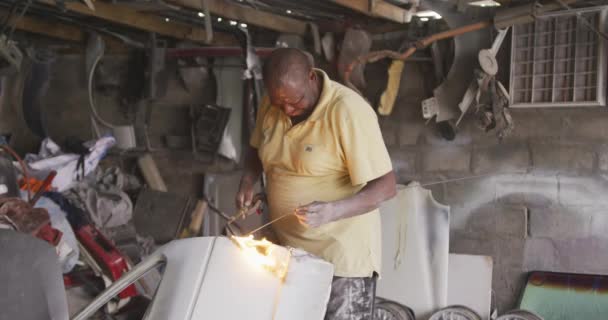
(244, 196)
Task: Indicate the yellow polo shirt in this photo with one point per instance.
(329, 156)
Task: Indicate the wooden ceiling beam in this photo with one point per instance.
(376, 8)
(247, 15)
(148, 22)
(60, 30)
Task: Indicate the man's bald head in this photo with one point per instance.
(286, 65)
(291, 82)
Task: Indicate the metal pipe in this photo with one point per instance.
(125, 281)
(208, 25)
(214, 52)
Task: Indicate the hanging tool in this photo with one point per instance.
(489, 67)
(124, 134)
(488, 95)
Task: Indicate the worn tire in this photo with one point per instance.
(455, 313)
(389, 310)
(519, 315)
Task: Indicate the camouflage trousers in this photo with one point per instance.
(351, 299)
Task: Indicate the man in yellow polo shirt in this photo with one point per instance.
(321, 149)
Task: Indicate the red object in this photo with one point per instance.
(74, 278)
(46, 185)
(32, 184)
(49, 234)
(106, 255)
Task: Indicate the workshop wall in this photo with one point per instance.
(541, 208)
(66, 113)
(543, 205)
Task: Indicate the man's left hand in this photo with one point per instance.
(317, 213)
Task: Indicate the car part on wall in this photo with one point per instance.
(253, 71)
(227, 133)
(125, 134)
(156, 71)
(35, 88)
(423, 43)
(557, 61)
(487, 94)
(356, 43)
(208, 126)
(328, 45)
(466, 47)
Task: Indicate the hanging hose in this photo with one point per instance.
(96, 45)
(423, 43)
(23, 166)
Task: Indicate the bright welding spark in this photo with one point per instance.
(167, 19)
(219, 19)
(262, 253)
(288, 11)
(200, 14)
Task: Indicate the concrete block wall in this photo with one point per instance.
(541, 202)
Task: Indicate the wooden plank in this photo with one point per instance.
(62, 31)
(388, 11)
(144, 21)
(49, 28)
(357, 5)
(247, 15)
(376, 8)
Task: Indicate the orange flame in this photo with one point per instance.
(264, 254)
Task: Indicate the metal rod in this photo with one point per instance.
(455, 179)
(269, 223)
(422, 185)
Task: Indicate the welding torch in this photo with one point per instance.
(241, 214)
